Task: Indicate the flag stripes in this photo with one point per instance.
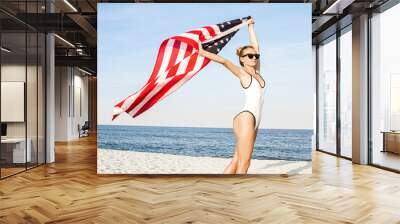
(177, 62)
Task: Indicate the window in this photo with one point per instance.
(346, 92)
(22, 88)
(385, 89)
(327, 95)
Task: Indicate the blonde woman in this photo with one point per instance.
(246, 122)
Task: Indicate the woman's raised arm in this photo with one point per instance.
(253, 40)
(214, 57)
(252, 35)
(210, 55)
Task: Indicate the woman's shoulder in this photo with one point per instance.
(259, 73)
(244, 73)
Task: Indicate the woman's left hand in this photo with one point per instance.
(250, 21)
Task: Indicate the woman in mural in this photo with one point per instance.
(246, 122)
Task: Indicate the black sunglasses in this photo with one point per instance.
(251, 56)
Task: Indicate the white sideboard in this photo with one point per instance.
(18, 149)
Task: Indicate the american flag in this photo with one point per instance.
(177, 62)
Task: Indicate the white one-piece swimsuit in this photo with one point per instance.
(254, 99)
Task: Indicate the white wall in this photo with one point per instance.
(71, 87)
(10, 73)
(61, 103)
(16, 73)
(34, 124)
(79, 117)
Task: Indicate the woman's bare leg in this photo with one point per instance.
(246, 149)
(232, 166)
(246, 137)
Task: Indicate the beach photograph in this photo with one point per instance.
(206, 93)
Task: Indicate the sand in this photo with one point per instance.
(131, 162)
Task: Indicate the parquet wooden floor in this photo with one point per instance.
(70, 191)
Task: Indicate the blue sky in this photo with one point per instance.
(129, 36)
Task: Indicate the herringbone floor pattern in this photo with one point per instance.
(70, 191)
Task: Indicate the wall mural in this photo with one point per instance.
(204, 88)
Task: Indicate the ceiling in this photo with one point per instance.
(75, 22)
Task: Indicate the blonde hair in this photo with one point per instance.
(239, 51)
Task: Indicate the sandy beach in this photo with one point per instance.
(111, 161)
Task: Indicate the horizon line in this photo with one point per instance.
(199, 127)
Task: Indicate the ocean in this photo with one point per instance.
(284, 144)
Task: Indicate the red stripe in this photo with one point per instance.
(160, 56)
(189, 50)
(174, 54)
(170, 84)
(120, 104)
(210, 30)
(174, 70)
(152, 78)
(142, 95)
(189, 41)
(191, 63)
(205, 62)
(215, 29)
(151, 86)
(198, 33)
(156, 97)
